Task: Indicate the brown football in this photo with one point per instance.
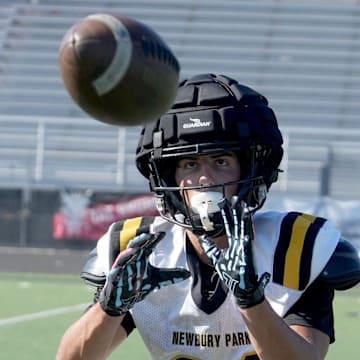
(118, 70)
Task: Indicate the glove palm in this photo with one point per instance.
(235, 264)
(132, 277)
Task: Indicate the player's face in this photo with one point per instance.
(208, 170)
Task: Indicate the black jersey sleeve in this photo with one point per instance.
(314, 309)
(128, 323)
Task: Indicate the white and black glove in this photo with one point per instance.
(235, 264)
(132, 277)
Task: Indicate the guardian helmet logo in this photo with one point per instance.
(196, 123)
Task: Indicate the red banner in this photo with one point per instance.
(78, 221)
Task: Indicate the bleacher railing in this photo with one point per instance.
(83, 153)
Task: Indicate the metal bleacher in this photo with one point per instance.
(303, 56)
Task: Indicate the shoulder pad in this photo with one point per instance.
(118, 238)
(293, 265)
(124, 231)
(343, 269)
(92, 272)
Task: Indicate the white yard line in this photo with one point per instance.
(43, 314)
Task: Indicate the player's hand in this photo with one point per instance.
(132, 277)
(235, 264)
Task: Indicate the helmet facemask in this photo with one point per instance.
(202, 214)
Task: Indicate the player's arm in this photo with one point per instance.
(94, 336)
(311, 316)
(271, 336)
(130, 279)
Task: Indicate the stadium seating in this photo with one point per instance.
(302, 55)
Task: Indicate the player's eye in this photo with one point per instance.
(190, 164)
(222, 161)
(187, 164)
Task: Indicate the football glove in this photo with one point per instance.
(132, 277)
(235, 264)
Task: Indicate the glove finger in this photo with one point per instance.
(225, 216)
(240, 210)
(146, 240)
(113, 274)
(124, 257)
(264, 280)
(153, 241)
(140, 271)
(210, 248)
(135, 270)
(246, 220)
(139, 241)
(118, 292)
(130, 277)
(234, 240)
(163, 277)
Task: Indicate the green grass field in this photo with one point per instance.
(36, 309)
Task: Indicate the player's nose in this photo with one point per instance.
(206, 177)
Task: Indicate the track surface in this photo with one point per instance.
(46, 260)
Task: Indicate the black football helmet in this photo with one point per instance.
(211, 114)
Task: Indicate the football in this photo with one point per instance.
(118, 70)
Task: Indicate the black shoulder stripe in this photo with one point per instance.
(307, 252)
(293, 254)
(282, 246)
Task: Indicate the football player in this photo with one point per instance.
(212, 277)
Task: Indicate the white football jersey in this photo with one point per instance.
(293, 247)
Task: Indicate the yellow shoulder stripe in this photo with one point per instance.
(128, 231)
(293, 255)
(294, 250)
